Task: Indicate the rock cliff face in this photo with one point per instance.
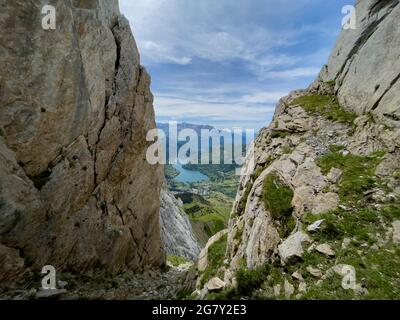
(326, 172)
(176, 230)
(365, 62)
(76, 190)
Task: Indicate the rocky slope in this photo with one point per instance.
(76, 190)
(176, 230)
(319, 198)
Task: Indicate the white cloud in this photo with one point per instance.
(178, 31)
(226, 60)
(292, 73)
(160, 54)
(251, 108)
(264, 97)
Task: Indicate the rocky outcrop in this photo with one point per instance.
(370, 49)
(317, 145)
(76, 190)
(176, 230)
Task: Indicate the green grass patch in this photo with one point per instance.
(331, 82)
(326, 106)
(215, 257)
(250, 279)
(243, 199)
(176, 260)
(339, 224)
(358, 173)
(279, 134)
(277, 197)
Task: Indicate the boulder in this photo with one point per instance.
(325, 202)
(215, 284)
(297, 275)
(291, 250)
(309, 174)
(325, 249)
(315, 272)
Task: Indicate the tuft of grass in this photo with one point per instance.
(326, 106)
(331, 82)
(358, 173)
(239, 234)
(279, 134)
(287, 150)
(250, 279)
(224, 295)
(277, 197)
(243, 200)
(215, 257)
(176, 260)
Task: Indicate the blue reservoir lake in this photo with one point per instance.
(187, 176)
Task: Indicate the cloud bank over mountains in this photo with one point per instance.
(227, 62)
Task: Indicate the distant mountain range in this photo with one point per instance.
(184, 125)
(198, 128)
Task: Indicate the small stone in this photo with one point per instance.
(297, 275)
(374, 247)
(289, 289)
(215, 284)
(203, 293)
(346, 242)
(325, 249)
(396, 231)
(315, 226)
(277, 290)
(314, 272)
(334, 175)
(302, 287)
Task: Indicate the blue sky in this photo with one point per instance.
(227, 62)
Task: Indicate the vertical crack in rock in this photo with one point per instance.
(392, 83)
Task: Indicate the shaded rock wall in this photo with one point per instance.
(75, 105)
(176, 230)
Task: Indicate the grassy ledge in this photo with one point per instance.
(358, 173)
(326, 106)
